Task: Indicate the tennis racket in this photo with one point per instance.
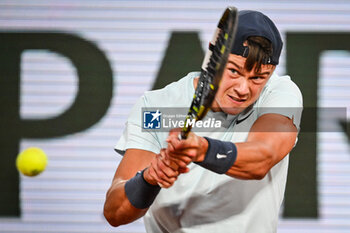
(212, 69)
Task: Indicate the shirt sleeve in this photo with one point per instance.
(134, 137)
(283, 97)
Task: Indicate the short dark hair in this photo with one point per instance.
(260, 49)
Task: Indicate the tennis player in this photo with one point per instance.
(227, 180)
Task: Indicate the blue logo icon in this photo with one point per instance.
(152, 119)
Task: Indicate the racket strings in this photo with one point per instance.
(211, 73)
(218, 51)
(206, 89)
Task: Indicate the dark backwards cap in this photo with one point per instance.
(254, 23)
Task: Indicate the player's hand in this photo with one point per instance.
(162, 171)
(183, 152)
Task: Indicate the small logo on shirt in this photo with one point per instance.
(243, 119)
(152, 119)
(220, 156)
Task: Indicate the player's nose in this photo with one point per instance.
(242, 87)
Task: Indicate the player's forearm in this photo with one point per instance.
(118, 209)
(254, 160)
(248, 160)
(261, 152)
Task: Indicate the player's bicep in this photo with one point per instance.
(133, 161)
(277, 132)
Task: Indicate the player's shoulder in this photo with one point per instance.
(282, 83)
(175, 93)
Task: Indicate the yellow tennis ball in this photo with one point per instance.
(31, 161)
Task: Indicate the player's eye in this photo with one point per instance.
(258, 79)
(234, 72)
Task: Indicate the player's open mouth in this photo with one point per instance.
(237, 99)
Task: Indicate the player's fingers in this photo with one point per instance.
(189, 153)
(175, 132)
(180, 163)
(182, 155)
(166, 159)
(186, 155)
(174, 136)
(179, 145)
(152, 173)
(157, 175)
(169, 171)
(165, 173)
(173, 143)
(173, 165)
(164, 165)
(185, 158)
(184, 169)
(170, 147)
(162, 183)
(165, 185)
(170, 163)
(191, 148)
(192, 141)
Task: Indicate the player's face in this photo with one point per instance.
(240, 88)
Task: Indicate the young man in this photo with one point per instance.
(227, 181)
